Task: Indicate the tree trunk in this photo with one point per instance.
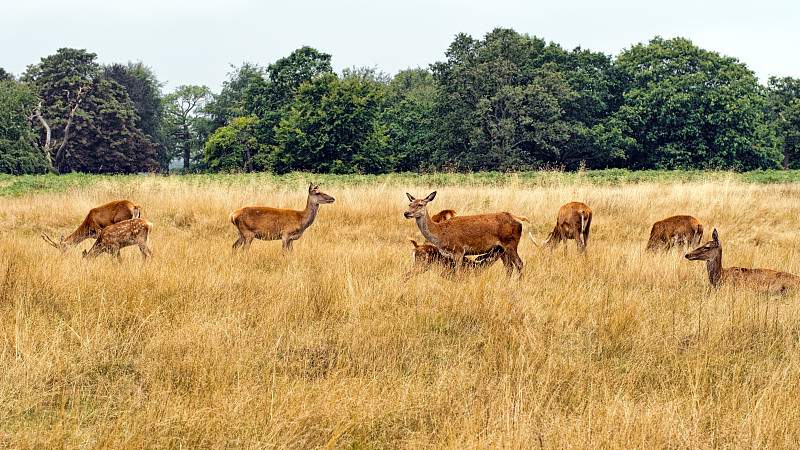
(187, 149)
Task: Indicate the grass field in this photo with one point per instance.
(330, 347)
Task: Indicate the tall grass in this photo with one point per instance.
(329, 347)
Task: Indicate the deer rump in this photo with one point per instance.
(675, 231)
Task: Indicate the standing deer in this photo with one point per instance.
(426, 255)
(269, 224)
(97, 219)
(573, 222)
(120, 235)
(685, 231)
(469, 235)
(772, 280)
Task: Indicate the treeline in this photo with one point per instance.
(506, 102)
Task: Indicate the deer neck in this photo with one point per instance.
(309, 214)
(78, 235)
(430, 229)
(714, 267)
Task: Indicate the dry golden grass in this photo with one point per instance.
(329, 347)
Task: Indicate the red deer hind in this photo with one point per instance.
(772, 280)
(269, 224)
(684, 231)
(573, 222)
(120, 235)
(97, 219)
(469, 235)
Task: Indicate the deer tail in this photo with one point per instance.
(136, 212)
(413, 242)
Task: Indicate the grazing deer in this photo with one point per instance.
(685, 231)
(426, 255)
(573, 222)
(97, 219)
(269, 224)
(772, 280)
(469, 235)
(120, 235)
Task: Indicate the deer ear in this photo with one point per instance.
(310, 187)
(430, 197)
(63, 238)
(715, 236)
(410, 197)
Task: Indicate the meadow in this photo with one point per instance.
(330, 346)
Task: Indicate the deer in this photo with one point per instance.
(469, 235)
(682, 230)
(424, 256)
(711, 252)
(269, 224)
(120, 235)
(97, 219)
(573, 222)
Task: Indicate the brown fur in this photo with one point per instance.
(97, 219)
(772, 280)
(263, 222)
(573, 222)
(424, 256)
(120, 235)
(443, 215)
(684, 231)
(469, 235)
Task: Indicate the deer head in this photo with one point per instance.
(62, 245)
(417, 207)
(318, 197)
(708, 252)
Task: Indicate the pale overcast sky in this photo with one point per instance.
(197, 41)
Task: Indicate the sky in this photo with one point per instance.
(199, 42)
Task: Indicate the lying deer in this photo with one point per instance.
(685, 231)
(97, 219)
(469, 235)
(573, 222)
(424, 256)
(120, 235)
(772, 280)
(269, 224)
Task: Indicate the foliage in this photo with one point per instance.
(17, 155)
(333, 126)
(183, 121)
(783, 97)
(687, 107)
(409, 113)
(103, 137)
(231, 147)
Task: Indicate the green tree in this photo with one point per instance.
(409, 112)
(144, 90)
(229, 104)
(686, 107)
(92, 117)
(783, 96)
(333, 126)
(17, 154)
(184, 109)
(233, 146)
(500, 103)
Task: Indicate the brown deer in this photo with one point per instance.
(269, 224)
(772, 280)
(573, 222)
(97, 219)
(469, 235)
(685, 231)
(424, 256)
(120, 235)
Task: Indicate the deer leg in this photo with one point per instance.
(146, 253)
(238, 243)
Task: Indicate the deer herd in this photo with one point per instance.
(452, 239)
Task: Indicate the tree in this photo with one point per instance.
(783, 96)
(686, 107)
(409, 117)
(103, 137)
(183, 111)
(232, 147)
(144, 90)
(500, 103)
(229, 104)
(333, 126)
(17, 154)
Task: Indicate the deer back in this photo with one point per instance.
(479, 233)
(267, 221)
